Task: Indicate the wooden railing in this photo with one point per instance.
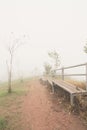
(69, 67)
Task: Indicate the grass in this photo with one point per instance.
(11, 104)
(77, 83)
(80, 84)
(3, 123)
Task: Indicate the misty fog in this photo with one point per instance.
(49, 25)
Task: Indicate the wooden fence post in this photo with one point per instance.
(86, 76)
(62, 73)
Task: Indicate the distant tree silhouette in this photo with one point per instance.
(85, 48)
(47, 68)
(55, 56)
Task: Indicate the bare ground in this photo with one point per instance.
(39, 112)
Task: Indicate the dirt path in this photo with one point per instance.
(39, 114)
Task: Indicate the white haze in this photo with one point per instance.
(59, 25)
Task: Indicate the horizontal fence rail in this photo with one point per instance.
(74, 75)
(70, 67)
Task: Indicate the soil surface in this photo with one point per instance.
(40, 113)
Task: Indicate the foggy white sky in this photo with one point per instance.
(59, 25)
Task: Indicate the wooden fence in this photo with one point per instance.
(69, 67)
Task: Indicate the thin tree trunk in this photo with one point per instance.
(9, 83)
(10, 76)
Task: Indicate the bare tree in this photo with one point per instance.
(11, 48)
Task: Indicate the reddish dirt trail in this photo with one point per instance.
(38, 113)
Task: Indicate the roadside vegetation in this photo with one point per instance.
(80, 101)
(11, 104)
